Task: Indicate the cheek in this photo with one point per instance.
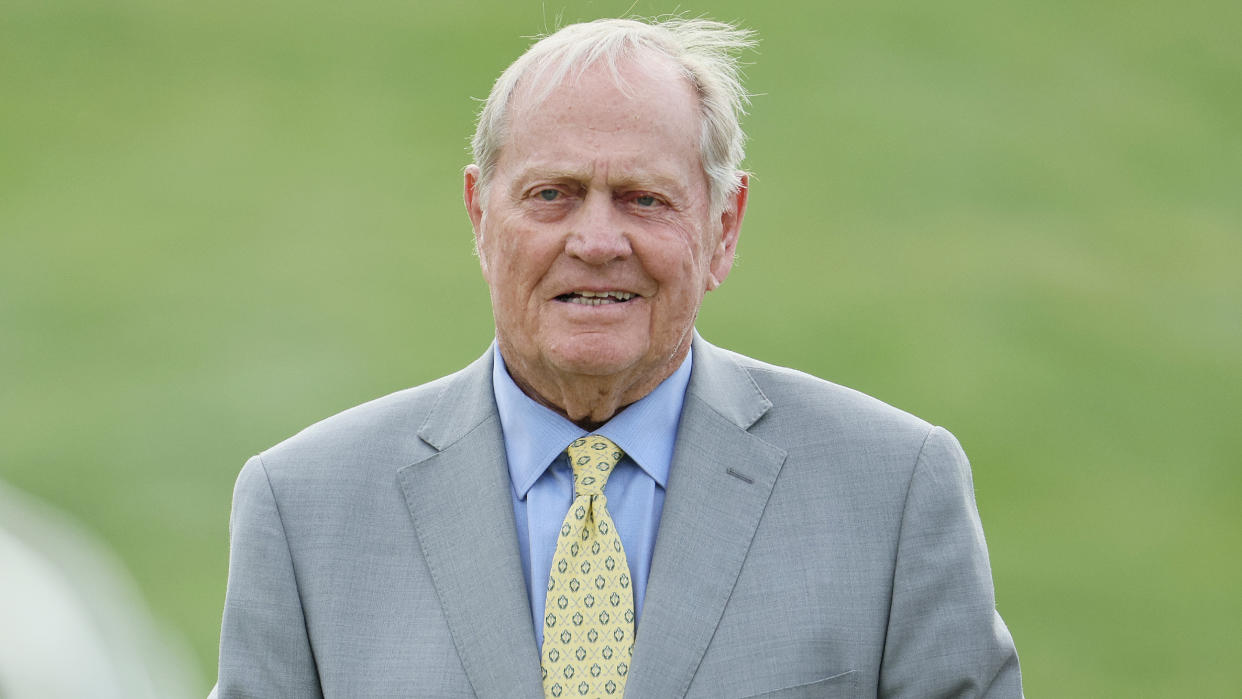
(499, 254)
(665, 248)
(682, 264)
(518, 260)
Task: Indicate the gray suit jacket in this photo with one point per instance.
(814, 543)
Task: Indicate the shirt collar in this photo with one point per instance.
(535, 435)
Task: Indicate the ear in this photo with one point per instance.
(730, 228)
(473, 196)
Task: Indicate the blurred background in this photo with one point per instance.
(221, 221)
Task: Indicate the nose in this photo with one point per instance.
(597, 232)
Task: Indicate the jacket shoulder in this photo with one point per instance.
(802, 401)
(383, 433)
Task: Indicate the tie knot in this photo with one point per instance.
(592, 459)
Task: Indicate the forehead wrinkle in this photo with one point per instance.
(599, 140)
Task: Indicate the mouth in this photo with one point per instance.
(596, 298)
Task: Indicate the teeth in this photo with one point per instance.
(599, 298)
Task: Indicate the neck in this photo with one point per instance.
(587, 400)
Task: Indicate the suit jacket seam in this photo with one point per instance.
(901, 528)
(754, 532)
(727, 357)
(433, 566)
(293, 567)
(852, 674)
(421, 432)
(430, 429)
(767, 407)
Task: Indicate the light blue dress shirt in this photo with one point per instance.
(543, 484)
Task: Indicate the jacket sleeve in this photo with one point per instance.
(264, 647)
(945, 637)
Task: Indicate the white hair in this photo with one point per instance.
(705, 51)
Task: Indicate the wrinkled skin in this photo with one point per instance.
(597, 239)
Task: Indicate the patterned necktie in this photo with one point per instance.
(588, 625)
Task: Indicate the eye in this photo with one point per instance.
(645, 200)
(548, 194)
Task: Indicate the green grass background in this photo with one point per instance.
(221, 221)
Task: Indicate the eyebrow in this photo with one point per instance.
(536, 172)
(640, 179)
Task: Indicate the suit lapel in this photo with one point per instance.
(462, 513)
(719, 483)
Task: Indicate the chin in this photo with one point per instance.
(593, 365)
(597, 357)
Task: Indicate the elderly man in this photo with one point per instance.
(604, 504)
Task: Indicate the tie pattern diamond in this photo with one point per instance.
(588, 625)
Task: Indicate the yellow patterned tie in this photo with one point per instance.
(588, 624)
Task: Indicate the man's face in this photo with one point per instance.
(597, 240)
